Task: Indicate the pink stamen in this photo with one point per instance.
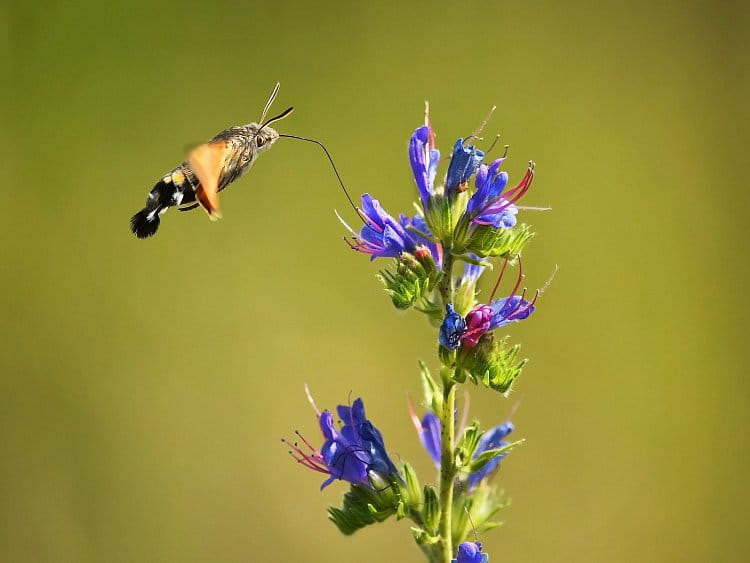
(414, 418)
(500, 277)
(308, 444)
(518, 281)
(310, 465)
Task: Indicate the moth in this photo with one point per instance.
(210, 168)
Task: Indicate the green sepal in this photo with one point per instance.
(413, 489)
(486, 456)
(486, 240)
(467, 445)
(431, 511)
(363, 506)
(432, 394)
(414, 278)
(422, 537)
(492, 362)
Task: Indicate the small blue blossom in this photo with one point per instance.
(491, 440)
(464, 163)
(471, 272)
(429, 434)
(424, 158)
(381, 235)
(451, 329)
(471, 552)
(350, 453)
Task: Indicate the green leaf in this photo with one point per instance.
(432, 393)
(486, 456)
(492, 363)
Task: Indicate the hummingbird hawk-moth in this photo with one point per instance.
(210, 168)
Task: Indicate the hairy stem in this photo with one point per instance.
(447, 430)
(447, 468)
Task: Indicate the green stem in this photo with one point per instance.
(447, 430)
(446, 288)
(447, 468)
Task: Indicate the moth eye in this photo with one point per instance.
(259, 141)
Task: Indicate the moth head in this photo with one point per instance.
(264, 138)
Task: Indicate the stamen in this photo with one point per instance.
(308, 444)
(500, 277)
(520, 277)
(492, 146)
(530, 208)
(310, 399)
(476, 133)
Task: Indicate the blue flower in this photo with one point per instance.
(451, 329)
(350, 453)
(491, 440)
(381, 235)
(490, 204)
(429, 435)
(463, 165)
(424, 158)
(471, 552)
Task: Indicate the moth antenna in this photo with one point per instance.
(330, 159)
(271, 98)
(279, 117)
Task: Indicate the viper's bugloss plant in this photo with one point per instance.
(470, 217)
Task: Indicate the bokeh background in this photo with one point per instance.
(145, 384)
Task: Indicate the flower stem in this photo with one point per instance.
(447, 430)
(447, 468)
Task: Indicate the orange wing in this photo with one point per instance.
(207, 161)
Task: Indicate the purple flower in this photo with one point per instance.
(424, 158)
(351, 452)
(499, 312)
(464, 163)
(471, 552)
(490, 205)
(381, 235)
(491, 440)
(451, 329)
(478, 322)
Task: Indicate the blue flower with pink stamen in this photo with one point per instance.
(351, 453)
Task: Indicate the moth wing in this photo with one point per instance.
(207, 162)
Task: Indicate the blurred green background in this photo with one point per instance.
(145, 384)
